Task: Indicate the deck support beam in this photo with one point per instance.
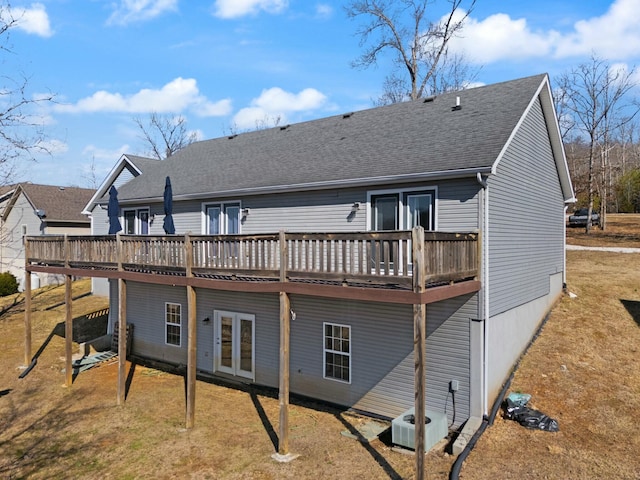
(285, 323)
(191, 357)
(191, 339)
(122, 341)
(285, 317)
(122, 329)
(27, 308)
(419, 349)
(68, 331)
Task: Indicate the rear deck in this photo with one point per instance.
(410, 267)
(374, 266)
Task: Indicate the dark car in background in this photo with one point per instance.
(580, 216)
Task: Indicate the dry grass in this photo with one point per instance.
(621, 231)
(583, 370)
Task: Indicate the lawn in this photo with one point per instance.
(582, 370)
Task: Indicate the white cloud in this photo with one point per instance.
(500, 37)
(53, 146)
(209, 109)
(33, 20)
(274, 104)
(324, 10)
(176, 96)
(112, 156)
(613, 35)
(240, 8)
(130, 11)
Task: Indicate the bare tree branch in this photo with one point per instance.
(418, 50)
(595, 96)
(164, 135)
(21, 128)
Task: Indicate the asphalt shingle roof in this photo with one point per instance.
(403, 139)
(62, 204)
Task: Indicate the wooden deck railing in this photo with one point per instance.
(379, 257)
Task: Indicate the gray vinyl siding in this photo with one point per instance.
(382, 362)
(265, 308)
(146, 312)
(458, 206)
(323, 211)
(526, 218)
(320, 211)
(125, 175)
(21, 214)
(99, 221)
(381, 334)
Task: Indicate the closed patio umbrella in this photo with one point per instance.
(168, 225)
(113, 211)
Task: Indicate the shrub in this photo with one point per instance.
(8, 284)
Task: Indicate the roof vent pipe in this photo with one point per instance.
(457, 107)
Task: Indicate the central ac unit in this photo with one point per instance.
(403, 429)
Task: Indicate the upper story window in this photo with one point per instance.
(136, 221)
(402, 209)
(221, 218)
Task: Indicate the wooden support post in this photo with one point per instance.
(27, 306)
(419, 349)
(191, 337)
(68, 331)
(122, 340)
(122, 328)
(285, 317)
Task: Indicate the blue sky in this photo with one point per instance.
(227, 64)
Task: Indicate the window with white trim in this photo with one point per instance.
(173, 323)
(337, 352)
(136, 221)
(402, 209)
(221, 218)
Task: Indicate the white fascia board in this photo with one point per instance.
(108, 181)
(553, 129)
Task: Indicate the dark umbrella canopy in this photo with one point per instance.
(168, 225)
(113, 212)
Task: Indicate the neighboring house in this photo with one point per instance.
(30, 209)
(127, 168)
(462, 162)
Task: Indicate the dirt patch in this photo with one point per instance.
(583, 370)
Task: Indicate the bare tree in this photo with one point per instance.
(91, 176)
(595, 96)
(165, 134)
(268, 122)
(418, 44)
(21, 128)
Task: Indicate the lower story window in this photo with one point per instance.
(173, 324)
(337, 352)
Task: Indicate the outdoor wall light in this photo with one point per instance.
(355, 207)
(206, 320)
(245, 212)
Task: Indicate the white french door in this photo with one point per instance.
(234, 339)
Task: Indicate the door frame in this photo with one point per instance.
(236, 365)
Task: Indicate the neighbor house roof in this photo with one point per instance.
(451, 135)
(55, 204)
